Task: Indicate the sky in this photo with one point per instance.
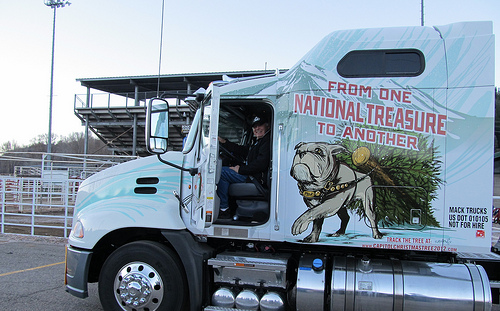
(114, 38)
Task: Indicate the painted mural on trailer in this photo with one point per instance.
(372, 156)
(376, 161)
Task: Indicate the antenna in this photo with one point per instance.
(421, 12)
(161, 47)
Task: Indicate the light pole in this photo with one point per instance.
(53, 4)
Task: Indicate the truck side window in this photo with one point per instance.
(382, 63)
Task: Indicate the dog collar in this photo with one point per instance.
(329, 187)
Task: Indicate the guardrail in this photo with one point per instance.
(37, 206)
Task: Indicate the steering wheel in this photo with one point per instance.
(226, 154)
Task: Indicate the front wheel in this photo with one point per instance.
(142, 276)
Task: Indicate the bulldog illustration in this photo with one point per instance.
(328, 187)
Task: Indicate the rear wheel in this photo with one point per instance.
(142, 276)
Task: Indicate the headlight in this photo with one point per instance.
(78, 231)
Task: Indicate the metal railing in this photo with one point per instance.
(39, 197)
(73, 166)
(37, 206)
(102, 100)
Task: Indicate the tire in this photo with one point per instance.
(142, 276)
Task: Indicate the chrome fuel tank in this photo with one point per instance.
(384, 284)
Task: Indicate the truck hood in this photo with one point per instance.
(135, 194)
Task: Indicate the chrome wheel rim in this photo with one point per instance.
(138, 286)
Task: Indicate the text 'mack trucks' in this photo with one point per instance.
(378, 194)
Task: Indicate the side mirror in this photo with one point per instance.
(157, 126)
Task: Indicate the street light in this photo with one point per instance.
(53, 4)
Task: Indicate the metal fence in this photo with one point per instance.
(38, 197)
(37, 206)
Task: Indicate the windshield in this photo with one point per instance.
(204, 113)
(205, 126)
(191, 138)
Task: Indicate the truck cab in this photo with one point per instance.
(380, 177)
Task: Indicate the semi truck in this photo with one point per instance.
(377, 196)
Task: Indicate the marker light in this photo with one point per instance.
(78, 231)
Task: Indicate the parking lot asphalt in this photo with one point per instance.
(32, 276)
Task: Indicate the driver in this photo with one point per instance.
(256, 165)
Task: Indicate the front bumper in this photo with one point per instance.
(77, 271)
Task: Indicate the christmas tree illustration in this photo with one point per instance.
(405, 181)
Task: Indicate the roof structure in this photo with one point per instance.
(122, 125)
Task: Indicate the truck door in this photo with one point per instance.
(204, 200)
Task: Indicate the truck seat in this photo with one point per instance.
(246, 191)
(252, 203)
